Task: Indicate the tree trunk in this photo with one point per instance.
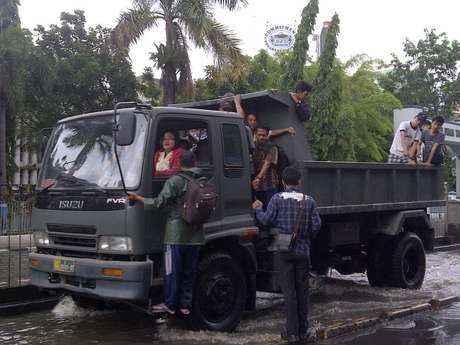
(169, 78)
(169, 82)
(3, 149)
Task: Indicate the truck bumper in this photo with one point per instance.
(87, 277)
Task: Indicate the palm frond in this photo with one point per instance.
(134, 22)
(230, 4)
(222, 41)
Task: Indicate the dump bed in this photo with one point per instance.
(349, 187)
(342, 187)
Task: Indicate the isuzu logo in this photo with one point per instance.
(116, 201)
(71, 204)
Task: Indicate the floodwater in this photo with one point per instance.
(343, 298)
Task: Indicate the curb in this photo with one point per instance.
(362, 323)
(446, 248)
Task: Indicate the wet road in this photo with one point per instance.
(342, 299)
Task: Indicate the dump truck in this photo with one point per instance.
(94, 244)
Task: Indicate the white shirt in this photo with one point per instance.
(164, 161)
(410, 135)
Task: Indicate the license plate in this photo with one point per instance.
(64, 265)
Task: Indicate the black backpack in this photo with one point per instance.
(199, 201)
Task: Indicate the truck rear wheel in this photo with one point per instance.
(408, 262)
(219, 293)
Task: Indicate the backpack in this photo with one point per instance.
(283, 161)
(199, 201)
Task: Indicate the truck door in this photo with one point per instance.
(236, 189)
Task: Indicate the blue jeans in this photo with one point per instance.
(180, 265)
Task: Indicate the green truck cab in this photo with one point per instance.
(92, 243)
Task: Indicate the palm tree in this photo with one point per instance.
(9, 19)
(183, 20)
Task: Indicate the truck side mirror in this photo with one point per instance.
(126, 129)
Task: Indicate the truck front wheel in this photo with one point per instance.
(219, 293)
(408, 262)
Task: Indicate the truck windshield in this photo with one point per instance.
(81, 155)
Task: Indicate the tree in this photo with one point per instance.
(328, 129)
(149, 87)
(13, 49)
(183, 20)
(71, 71)
(295, 68)
(429, 75)
(369, 108)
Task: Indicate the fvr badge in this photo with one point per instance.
(280, 38)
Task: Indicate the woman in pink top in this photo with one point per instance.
(167, 160)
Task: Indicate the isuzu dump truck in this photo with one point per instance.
(92, 243)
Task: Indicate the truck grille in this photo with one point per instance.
(72, 229)
(74, 241)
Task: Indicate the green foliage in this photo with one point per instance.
(260, 72)
(295, 68)
(328, 129)
(429, 75)
(14, 46)
(369, 109)
(71, 71)
(149, 87)
(185, 20)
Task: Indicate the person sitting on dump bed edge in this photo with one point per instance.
(403, 149)
(302, 109)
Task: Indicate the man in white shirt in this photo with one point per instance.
(402, 149)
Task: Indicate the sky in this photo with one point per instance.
(375, 28)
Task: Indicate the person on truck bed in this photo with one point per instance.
(167, 160)
(404, 146)
(182, 241)
(302, 109)
(250, 121)
(265, 158)
(433, 140)
(284, 212)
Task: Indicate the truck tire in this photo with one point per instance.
(377, 260)
(219, 293)
(408, 262)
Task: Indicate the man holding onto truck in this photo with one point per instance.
(265, 159)
(284, 212)
(403, 150)
(182, 240)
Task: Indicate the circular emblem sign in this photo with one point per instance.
(280, 38)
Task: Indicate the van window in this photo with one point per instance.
(233, 148)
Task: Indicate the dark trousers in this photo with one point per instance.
(180, 265)
(293, 274)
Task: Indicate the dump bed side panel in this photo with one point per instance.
(348, 187)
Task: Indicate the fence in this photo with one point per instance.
(16, 241)
(438, 219)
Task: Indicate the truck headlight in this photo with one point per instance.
(115, 243)
(41, 238)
